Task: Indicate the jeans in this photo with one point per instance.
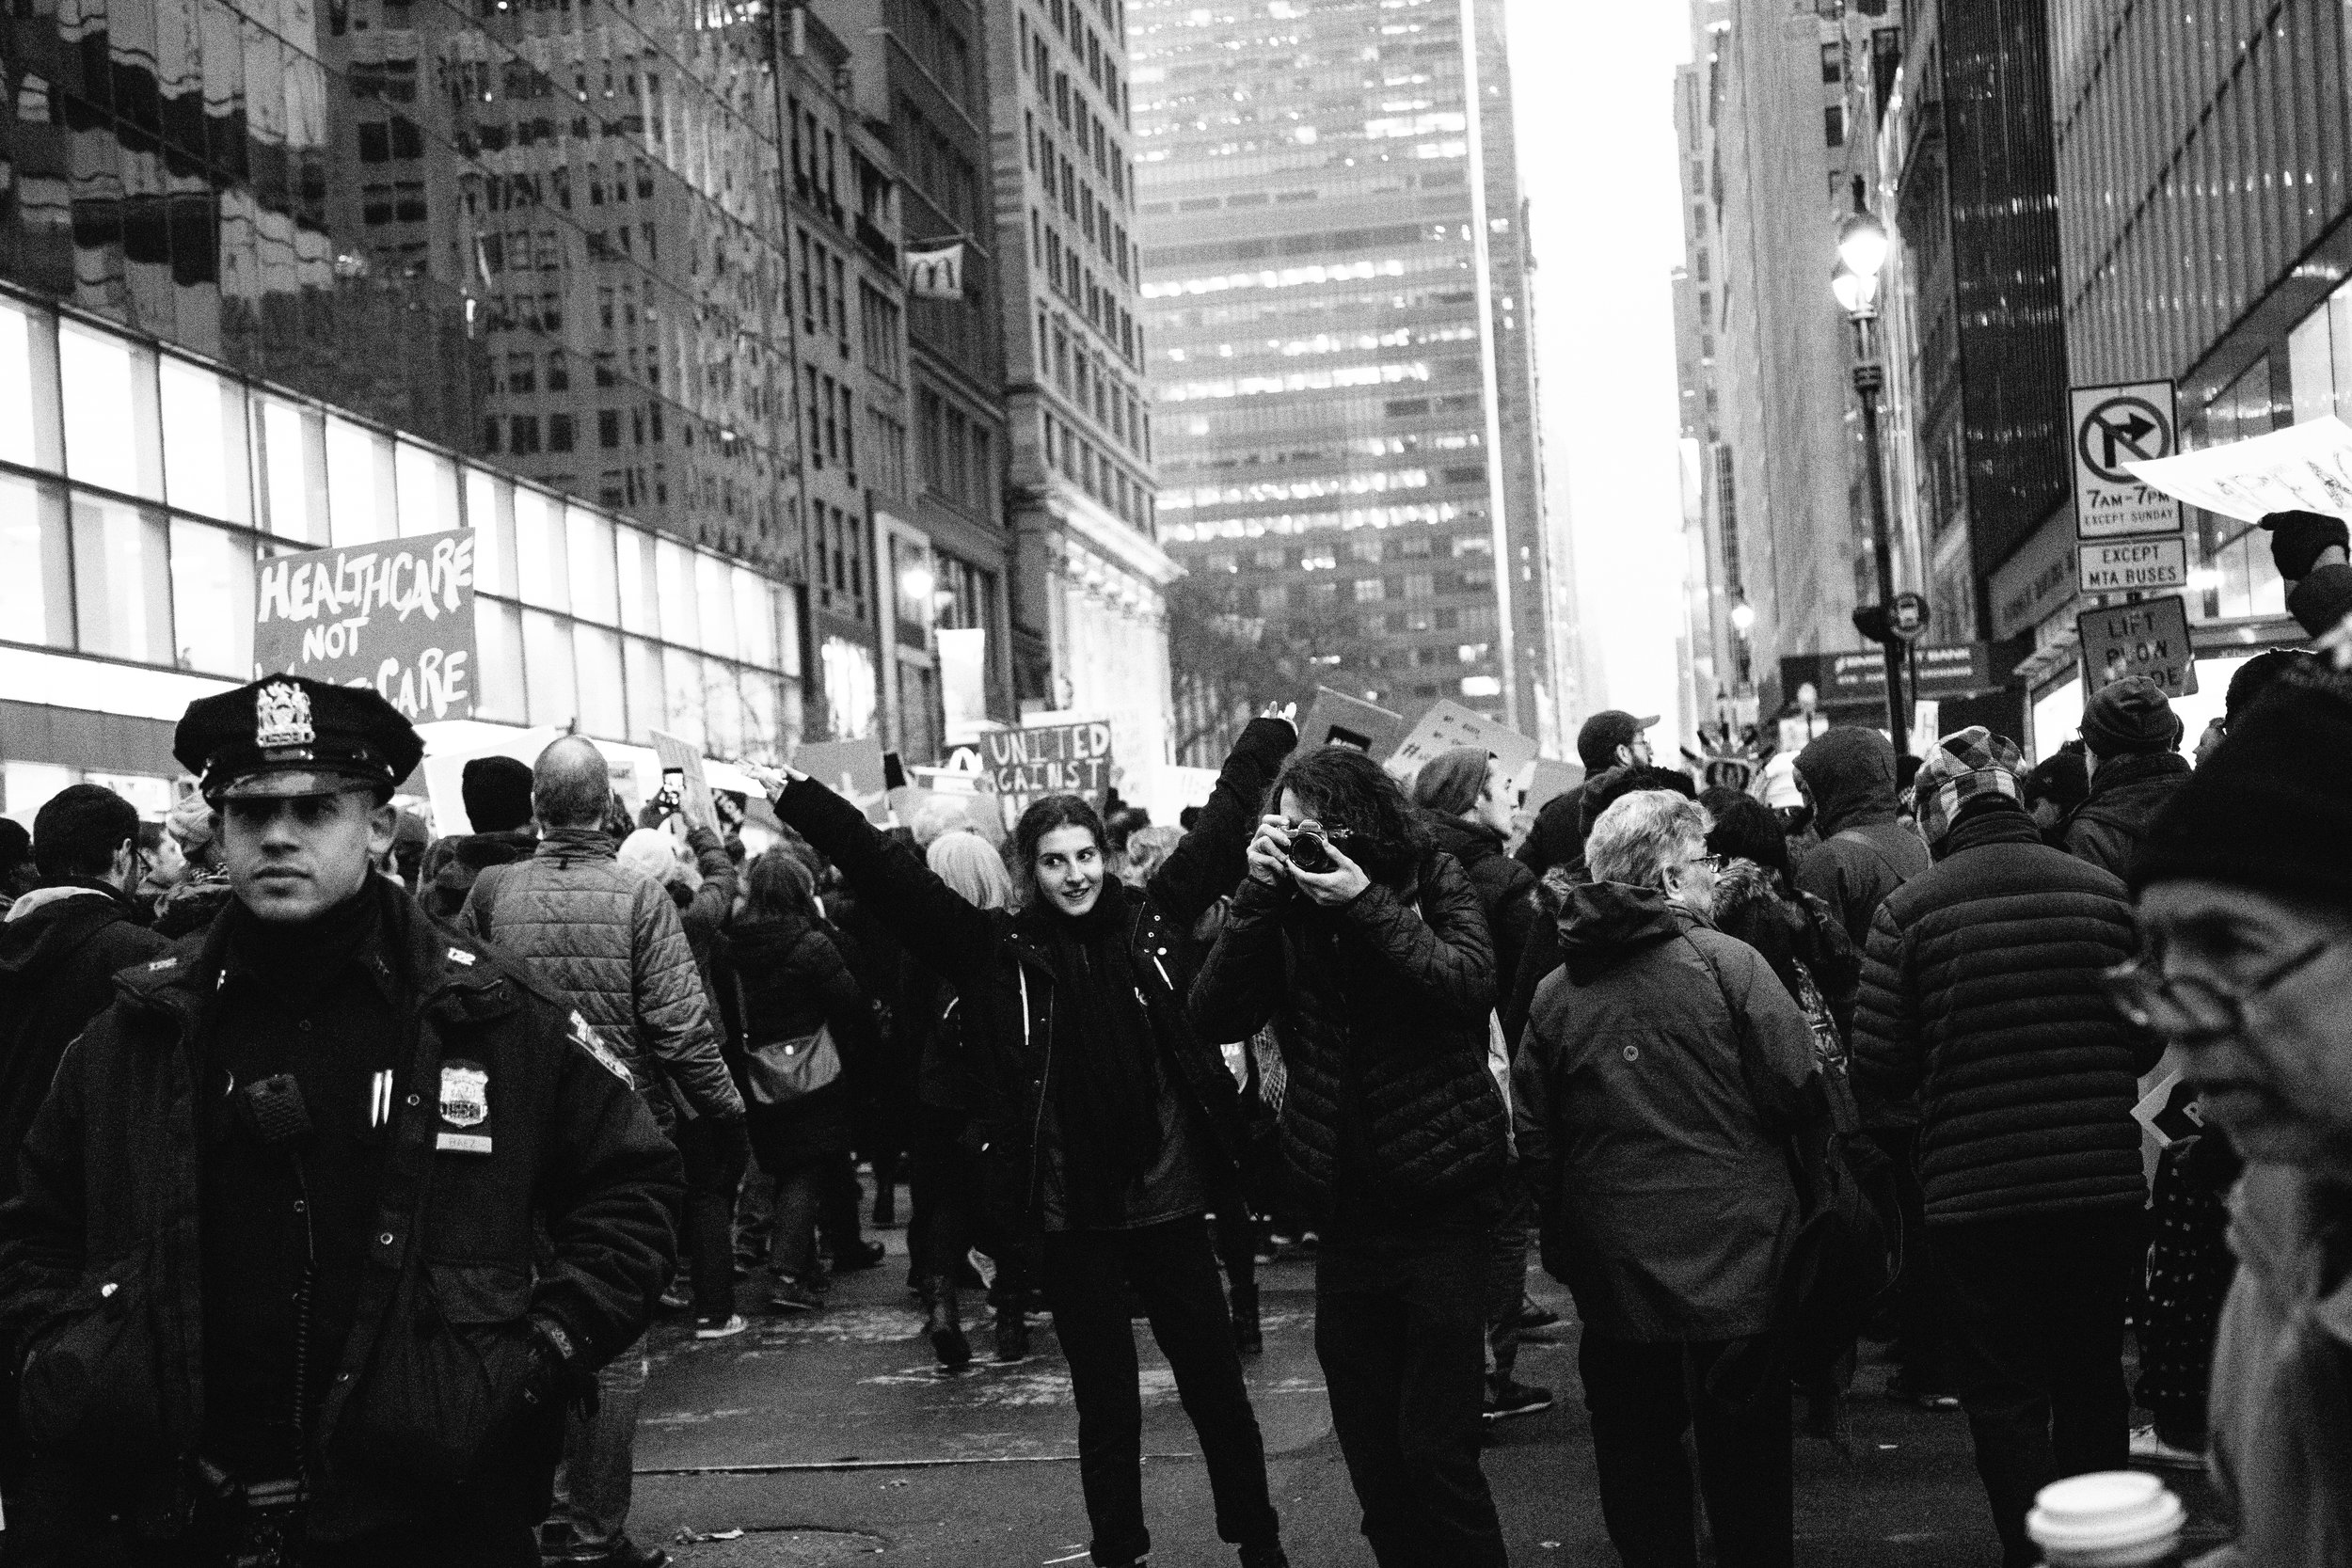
(716, 1153)
(1507, 1282)
(2035, 1308)
(1172, 1267)
(806, 1149)
(1401, 1332)
(1918, 1348)
(1731, 1397)
(593, 1490)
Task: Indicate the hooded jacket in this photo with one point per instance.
(2126, 793)
(1865, 853)
(1505, 887)
(608, 942)
(794, 982)
(59, 950)
(1981, 993)
(451, 864)
(1662, 1073)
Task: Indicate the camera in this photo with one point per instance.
(1310, 848)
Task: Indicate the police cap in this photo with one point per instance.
(290, 735)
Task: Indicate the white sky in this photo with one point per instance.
(1592, 85)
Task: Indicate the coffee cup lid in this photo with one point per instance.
(2104, 1511)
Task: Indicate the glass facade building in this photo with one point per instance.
(1322, 305)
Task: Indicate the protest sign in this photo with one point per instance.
(396, 615)
(1448, 724)
(1551, 778)
(1048, 759)
(1337, 718)
(852, 770)
(2305, 467)
(2150, 638)
(684, 757)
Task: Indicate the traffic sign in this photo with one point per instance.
(2150, 638)
(2134, 565)
(2115, 425)
(1909, 620)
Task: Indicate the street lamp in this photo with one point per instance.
(917, 583)
(1743, 617)
(1862, 245)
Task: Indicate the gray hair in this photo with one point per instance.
(1643, 833)
(571, 784)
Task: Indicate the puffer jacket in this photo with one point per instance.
(567, 1220)
(1863, 853)
(2280, 1422)
(1380, 1007)
(608, 942)
(2126, 794)
(1980, 992)
(1005, 982)
(1505, 887)
(1662, 1073)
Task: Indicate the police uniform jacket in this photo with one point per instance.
(566, 1218)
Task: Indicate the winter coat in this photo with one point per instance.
(59, 951)
(1380, 1008)
(1753, 906)
(2280, 1415)
(1663, 1074)
(2126, 793)
(1505, 887)
(566, 1221)
(450, 865)
(1863, 853)
(191, 905)
(1980, 992)
(1005, 981)
(1557, 835)
(608, 942)
(794, 982)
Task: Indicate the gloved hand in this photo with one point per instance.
(2297, 539)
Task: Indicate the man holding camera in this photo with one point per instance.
(329, 1216)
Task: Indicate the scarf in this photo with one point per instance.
(299, 961)
(1103, 1082)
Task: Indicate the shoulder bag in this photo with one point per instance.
(779, 1072)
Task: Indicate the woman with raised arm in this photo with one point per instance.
(1106, 1128)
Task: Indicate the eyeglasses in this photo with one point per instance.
(2186, 1008)
(1712, 862)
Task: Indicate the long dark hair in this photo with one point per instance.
(778, 887)
(1042, 817)
(1342, 787)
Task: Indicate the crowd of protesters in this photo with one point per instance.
(1754, 1073)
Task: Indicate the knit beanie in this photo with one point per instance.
(2271, 809)
(192, 823)
(1962, 767)
(496, 793)
(2131, 718)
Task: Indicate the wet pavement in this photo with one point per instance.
(829, 1439)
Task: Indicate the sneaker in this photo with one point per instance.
(720, 1328)
(858, 1255)
(675, 1299)
(2148, 1449)
(1518, 1399)
(793, 1296)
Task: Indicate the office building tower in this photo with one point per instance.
(1335, 313)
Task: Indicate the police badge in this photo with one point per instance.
(465, 1108)
(281, 717)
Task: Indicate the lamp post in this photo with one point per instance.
(1862, 245)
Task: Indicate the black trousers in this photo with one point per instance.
(1400, 1331)
(1731, 1397)
(945, 1222)
(1173, 1268)
(2035, 1308)
(1918, 1348)
(716, 1155)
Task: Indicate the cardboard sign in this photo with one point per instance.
(2117, 430)
(1339, 720)
(2169, 1112)
(852, 770)
(396, 615)
(2305, 467)
(1551, 780)
(1048, 759)
(2135, 566)
(2148, 639)
(688, 759)
(1448, 724)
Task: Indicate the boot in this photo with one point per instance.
(1012, 1333)
(1247, 1337)
(943, 1325)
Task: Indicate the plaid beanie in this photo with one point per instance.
(192, 823)
(2131, 718)
(1968, 766)
(2271, 809)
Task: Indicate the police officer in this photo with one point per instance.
(329, 1216)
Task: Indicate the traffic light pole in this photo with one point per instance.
(1869, 379)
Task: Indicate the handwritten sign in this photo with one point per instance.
(1448, 724)
(396, 615)
(2150, 638)
(852, 770)
(1339, 720)
(2305, 467)
(1048, 759)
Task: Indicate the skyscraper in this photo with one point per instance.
(1336, 322)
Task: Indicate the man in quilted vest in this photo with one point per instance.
(1983, 995)
(608, 943)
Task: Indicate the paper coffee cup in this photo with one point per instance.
(2106, 1519)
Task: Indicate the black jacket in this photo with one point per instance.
(1505, 887)
(567, 1220)
(1863, 853)
(2126, 794)
(451, 864)
(1380, 1006)
(1005, 982)
(59, 950)
(795, 981)
(1980, 992)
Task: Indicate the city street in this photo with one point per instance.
(830, 1439)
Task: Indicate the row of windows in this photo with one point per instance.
(1369, 547)
(1087, 382)
(1096, 474)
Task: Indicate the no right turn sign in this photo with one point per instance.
(2115, 425)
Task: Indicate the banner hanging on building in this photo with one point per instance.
(936, 274)
(396, 615)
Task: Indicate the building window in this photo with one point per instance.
(1832, 63)
(607, 427)
(1833, 124)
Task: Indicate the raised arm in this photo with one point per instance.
(1204, 867)
(930, 918)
